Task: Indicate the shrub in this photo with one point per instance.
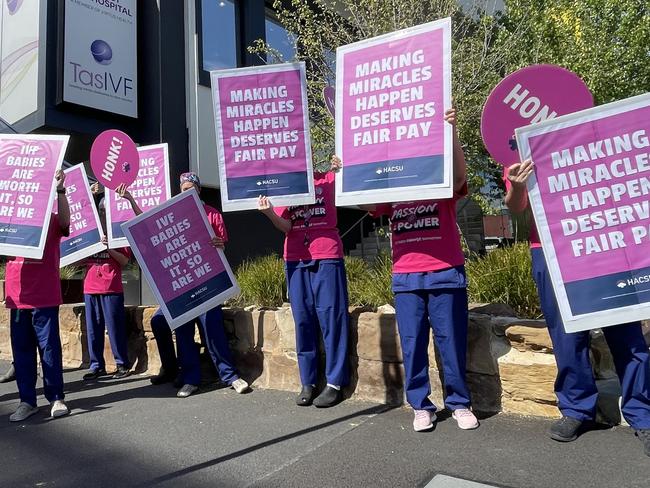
(504, 276)
(369, 285)
(262, 282)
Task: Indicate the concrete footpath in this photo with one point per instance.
(127, 433)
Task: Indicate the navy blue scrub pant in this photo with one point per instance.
(188, 360)
(106, 312)
(444, 310)
(318, 293)
(575, 386)
(31, 330)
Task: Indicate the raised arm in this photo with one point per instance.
(62, 203)
(517, 196)
(126, 194)
(460, 167)
(265, 206)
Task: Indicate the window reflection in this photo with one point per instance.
(279, 39)
(219, 34)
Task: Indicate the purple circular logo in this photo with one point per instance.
(527, 96)
(101, 51)
(13, 6)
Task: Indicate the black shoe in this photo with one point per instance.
(644, 436)
(93, 374)
(328, 398)
(178, 381)
(163, 377)
(306, 396)
(121, 372)
(9, 375)
(566, 429)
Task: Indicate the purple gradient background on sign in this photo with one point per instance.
(596, 264)
(126, 169)
(82, 195)
(50, 150)
(562, 90)
(432, 45)
(158, 154)
(289, 78)
(184, 208)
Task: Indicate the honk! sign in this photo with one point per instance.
(114, 159)
(530, 95)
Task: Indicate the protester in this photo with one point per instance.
(575, 386)
(317, 286)
(187, 365)
(430, 290)
(104, 301)
(33, 294)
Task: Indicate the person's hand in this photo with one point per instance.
(519, 173)
(335, 164)
(96, 188)
(105, 241)
(218, 243)
(450, 116)
(59, 176)
(123, 192)
(264, 205)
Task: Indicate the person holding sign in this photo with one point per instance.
(187, 366)
(33, 289)
(430, 290)
(575, 386)
(104, 301)
(317, 287)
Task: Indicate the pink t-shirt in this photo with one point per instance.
(104, 274)
(216, 221)
(424, 235)
(313, 233)
(534, 236)
(36, 283)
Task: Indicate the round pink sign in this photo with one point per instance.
(527, 96)
(114, 159)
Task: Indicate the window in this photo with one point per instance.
(218, 36)
(278, 38)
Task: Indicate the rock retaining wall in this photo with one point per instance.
(510, 364)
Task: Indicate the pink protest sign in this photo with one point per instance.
(591, 200)
(150, 189)
(262, 127)
(27, 188)
(391, 95)
(85, 228)
(527, 96)
(114, 159)
(172, 244)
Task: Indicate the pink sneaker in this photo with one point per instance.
(423, 420)
(465, 418)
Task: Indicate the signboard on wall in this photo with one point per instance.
(100, 55)
(19, 59)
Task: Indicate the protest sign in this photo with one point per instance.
(262, 127)
(172, 244)
(114, 159)
(391, 95)
(85, 228)
(150, 189)
(590, 198)
(27, 188)
(527, 96)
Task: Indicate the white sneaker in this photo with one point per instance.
(23, 412)
(423, 420)
(240, 385)
(59, 409)
(465, 418)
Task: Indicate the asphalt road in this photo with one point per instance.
(130, 434)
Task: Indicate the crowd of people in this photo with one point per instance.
(429, 285)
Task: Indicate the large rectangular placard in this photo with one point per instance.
(172, 244)
(150, 189)
(590, 196)
(263, 142)
(85, 228)
(391, 95)
(28, 164)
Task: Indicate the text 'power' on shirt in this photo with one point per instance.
(36, 283)
(424, 235)
(314, 233)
